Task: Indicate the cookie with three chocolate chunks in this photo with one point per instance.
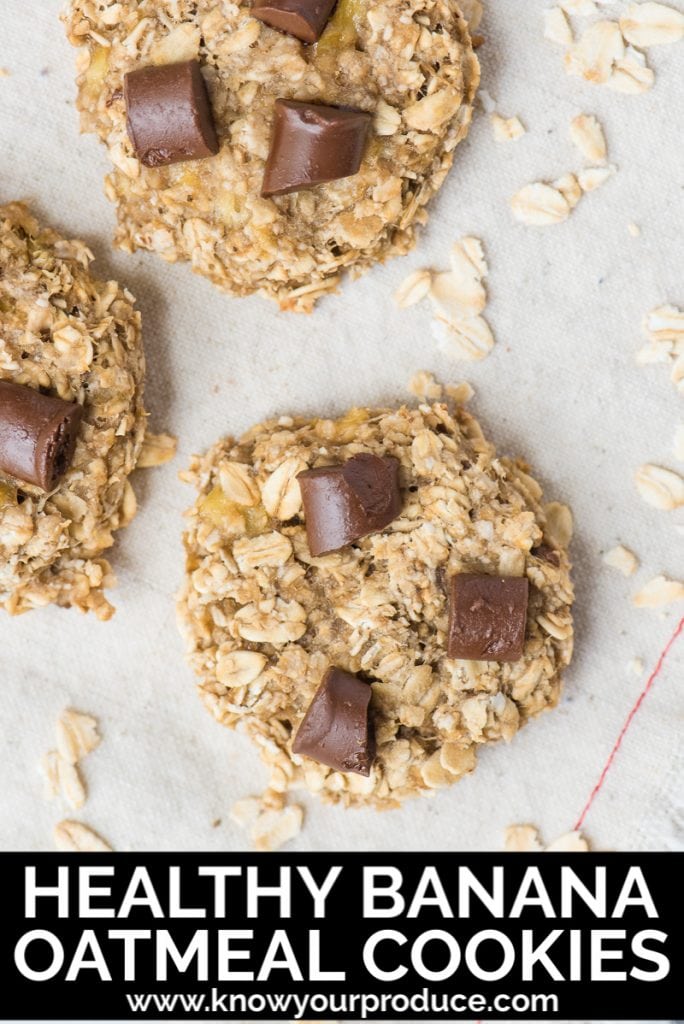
(336, 729)
(311, 144)
(168, 114)
(37, 435)
(346, 502)
(303, 19)
(487, 617)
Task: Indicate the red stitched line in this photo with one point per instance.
(628, 721)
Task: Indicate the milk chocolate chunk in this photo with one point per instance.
(168, 114)
(336, 729)
(37, 435)
(487, 617)
(312, 144)
(304, 19)
(346, 502)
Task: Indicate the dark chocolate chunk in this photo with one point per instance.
(487, 617)
(312, 144)
(168, 114)
(336, 729)
(37, 435)
(304, 19)
(546, 553)
(346, 502)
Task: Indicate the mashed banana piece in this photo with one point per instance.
(408, 62)
(263, 620)
(79, 338)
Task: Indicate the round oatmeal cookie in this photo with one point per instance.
(66, 334)
(408, 62)
(263, 619)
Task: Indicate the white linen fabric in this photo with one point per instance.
(561, 388)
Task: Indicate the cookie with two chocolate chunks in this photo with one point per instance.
(336, 729)
(168, 114)
(303, 19)
(312, 143)
(37, 435)
(346, 502)
(487, 617)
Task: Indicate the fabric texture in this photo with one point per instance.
(561, 388)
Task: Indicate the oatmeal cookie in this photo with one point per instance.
(78, 339)
(409, 63)
(264, 620)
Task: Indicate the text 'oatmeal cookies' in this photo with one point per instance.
(264, 620)
(74, 338)
(407, 63)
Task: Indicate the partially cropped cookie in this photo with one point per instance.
(439, 620)
(298, 191)
(72, 420)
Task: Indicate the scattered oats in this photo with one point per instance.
(678, 443)
(507, 129)
(587, 134)
(559, 524)
(156, 450)
(622, 559)
(539, 204)
(571, 842)
(424, 386)
(557, 27)
(665, 323)
(596, 52)
(70, 783)
(522, 839)
(658, 592)
(579, 8)
(660, 487)
(591, 178)
(273, 829)
(469, 339)
(487, 102)
(570, 188)
(636, 665)
(631, 75)
(634, 230)
(74, 836)
(77, 735)
(412, 289)
(460, 393)
(652, 24)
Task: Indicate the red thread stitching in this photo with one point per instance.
(628, 721)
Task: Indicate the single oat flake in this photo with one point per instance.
(557, 27)
(622, 559)
(658, 592)
(559, 523)
(597, 51)
(539, 204)
(652, 24)
(77, 735)
(587, 134)
(413, 289)
(659, 487)
(75, 837)
(591, 178)
(527, 839)
(631, 74)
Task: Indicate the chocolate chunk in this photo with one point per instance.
(336, 729)
(546, 553)
(311, 144)
(346, 502)
(168, 114)
(37, 435)
(487, 617)
(304, 19)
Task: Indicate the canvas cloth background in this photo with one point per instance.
(561, 388)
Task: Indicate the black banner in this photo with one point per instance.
(443, 936)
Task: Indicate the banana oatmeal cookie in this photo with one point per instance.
(65, 334)
(409, 63)
(264, 620)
